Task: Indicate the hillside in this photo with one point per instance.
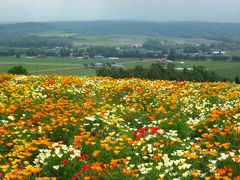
(68, 127)
(229, 31)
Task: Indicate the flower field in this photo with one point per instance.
(67, 127)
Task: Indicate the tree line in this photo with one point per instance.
(34, 41)
(158, 72)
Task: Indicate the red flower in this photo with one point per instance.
(84, 156)
(79, 173)
(80, 158)
(65, 162)
(85, 168)
(74, 178)
(137, 138)
(154, 130)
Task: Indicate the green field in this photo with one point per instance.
(64, 66)
(222, 68)
(74, 66)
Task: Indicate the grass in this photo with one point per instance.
(222, 68)
(74, 66)
(234, 53)
(64, 66)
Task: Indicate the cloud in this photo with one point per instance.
(158, 10)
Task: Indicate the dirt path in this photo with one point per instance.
(131, 62)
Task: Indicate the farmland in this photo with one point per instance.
(74, 66)
(71, 127)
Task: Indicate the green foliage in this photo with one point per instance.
(172, 54)
(157, 71)
(237, 80)
(18, 70)
(34, 41)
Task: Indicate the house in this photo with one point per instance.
(136, 45)
(117, 66)
(113, 58)
(41, 55)
(23, 56)
(220, 52)
(98, 57)
(85, 56)
(98, 65)
(164, 61)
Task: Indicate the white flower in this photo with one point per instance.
(185, 174)
(168, 164)
(56, 167)
(161, 176)
(4, 122)
(92, 118)
(128, 158)
(72, 156)
(11, 118)
(40, 129)
(223, 156)
(60, 155)
(145, 157)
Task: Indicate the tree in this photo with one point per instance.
(237, 81)
(18, 70)
(140, 72)
(172, 54)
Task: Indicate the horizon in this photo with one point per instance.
(112, 20)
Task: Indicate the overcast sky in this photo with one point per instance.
(155, 10)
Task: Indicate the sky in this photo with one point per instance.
(154, 10)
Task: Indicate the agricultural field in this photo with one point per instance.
(74, 66)
(65, 66)
(71, 127)
(222, 68)
(107, 40)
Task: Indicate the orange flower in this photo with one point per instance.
(226, 145)
(236, 159)
(96, 153)
(208, 145)
(191, 156)
(220, 171)
(211, 153)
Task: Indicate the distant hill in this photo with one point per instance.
(219, 31)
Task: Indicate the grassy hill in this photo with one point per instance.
(227, 31)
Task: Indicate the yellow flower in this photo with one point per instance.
(116, 152)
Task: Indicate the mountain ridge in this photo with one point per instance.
(128, 27)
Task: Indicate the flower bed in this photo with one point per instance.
(67, 127)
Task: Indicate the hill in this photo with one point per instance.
(69, 127)
(220, 31)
